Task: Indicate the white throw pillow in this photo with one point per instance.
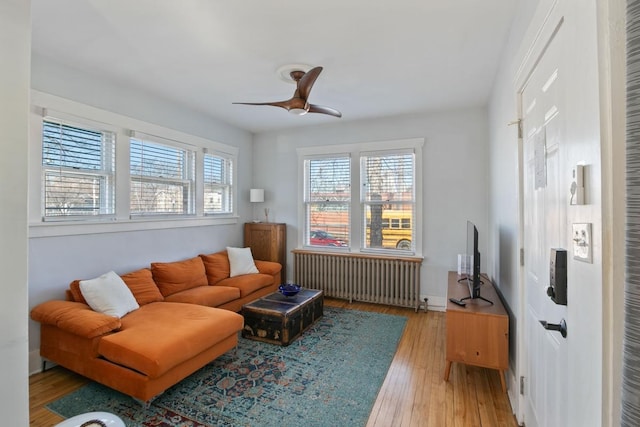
(108, 294)
(241, 261)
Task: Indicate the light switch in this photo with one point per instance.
(582, 242)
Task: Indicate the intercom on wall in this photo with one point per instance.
(577, 186)
(557, 289)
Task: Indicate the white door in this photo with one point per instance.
(545, 227)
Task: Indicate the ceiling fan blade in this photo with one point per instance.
(283, 104)
(306, 82)
(324, 110)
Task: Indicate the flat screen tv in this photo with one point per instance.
(473, 266)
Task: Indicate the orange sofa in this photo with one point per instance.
(186, 318)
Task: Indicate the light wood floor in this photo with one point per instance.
(414, 392)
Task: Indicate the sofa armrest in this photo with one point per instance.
(268, 267)
(75, 317)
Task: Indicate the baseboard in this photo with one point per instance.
(35, 362)
(435, 303)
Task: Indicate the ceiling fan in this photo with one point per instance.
(298, 104)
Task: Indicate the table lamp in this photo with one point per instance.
(256, 195)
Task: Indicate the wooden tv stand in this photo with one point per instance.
(477, 334)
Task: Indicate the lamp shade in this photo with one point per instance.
(256, 195)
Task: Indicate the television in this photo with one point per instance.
(473, 264)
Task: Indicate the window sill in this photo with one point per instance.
(54, 229)
(360, 252)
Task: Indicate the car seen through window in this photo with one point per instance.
(322, 238)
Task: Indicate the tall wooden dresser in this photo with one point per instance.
(268, 242)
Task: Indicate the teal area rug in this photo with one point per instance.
(328, 377)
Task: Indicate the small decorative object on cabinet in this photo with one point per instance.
(268, 242)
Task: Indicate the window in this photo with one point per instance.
(78, 171)
(362, 197)
(327, 200)
(96, 171)
(162, 179)
(218, 176)
(388, 199)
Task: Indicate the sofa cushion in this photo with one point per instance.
(140, 282)
(216, 266)
(142, 286)
(248, 283)
(268, 267)
(74, 289)
(172, 277)
(241, 262)
(108, 294)
(161, 335)
(74, 317)
(211, 296)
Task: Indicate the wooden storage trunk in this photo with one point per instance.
(278, 319)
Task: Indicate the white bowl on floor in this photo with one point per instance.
(102, 419)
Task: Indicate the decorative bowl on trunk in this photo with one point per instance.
(289, 289)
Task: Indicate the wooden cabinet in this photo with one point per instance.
(477, 334)
(268, 242)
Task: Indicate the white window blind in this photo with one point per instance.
(78, 171)
(388, 200)
(218, 176)
(327, 198)
(162, 179)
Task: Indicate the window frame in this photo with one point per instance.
(309, 203)
(106, 173)
(392, 224)
(227, 185)
(187, 180)
(357, 221)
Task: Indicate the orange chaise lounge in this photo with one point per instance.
(183, 317)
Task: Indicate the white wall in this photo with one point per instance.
(15, 48)
(56, 261)
(585, 402)
(455, 180)
(58, 79)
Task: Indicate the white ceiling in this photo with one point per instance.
(380, 57)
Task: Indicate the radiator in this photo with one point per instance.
(366, 278)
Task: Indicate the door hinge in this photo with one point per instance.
(522, 385)
(519, 128)
(519, 123)
(521, 257)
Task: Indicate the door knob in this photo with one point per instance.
(561, 327)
